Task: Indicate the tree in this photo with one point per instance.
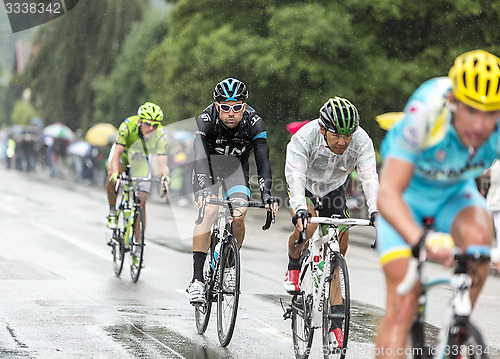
(22, 113)
(120, 93)
(74, 50)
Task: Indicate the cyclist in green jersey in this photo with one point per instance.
(139, 136)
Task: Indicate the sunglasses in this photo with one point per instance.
(236, 108)
(151, 124)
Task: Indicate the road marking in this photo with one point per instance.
(157, 341)
(273, 331)
(70, 239)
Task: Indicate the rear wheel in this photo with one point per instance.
(336, 312)
(228, 290)
(118, 247)
(137, 245)
(302, 333)
(202, 311)
(467, 343)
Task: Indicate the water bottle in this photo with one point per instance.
(126, 216)
(216, 254)
(319, 272)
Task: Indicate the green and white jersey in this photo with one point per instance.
(135, 154)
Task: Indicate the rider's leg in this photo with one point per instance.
(392, 335)
(201, 240)
(294, 252)
(110, 189)
(239, 225)
(473, 226)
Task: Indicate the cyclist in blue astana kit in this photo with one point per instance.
(227, 131)
(448, 136)
(319, 159)
(139, 136)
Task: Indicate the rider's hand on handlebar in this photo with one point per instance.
(299, 217)
(114, 177)
(373, 217)
(271, 201)
(165, 182)
(199, 197)
(439, 247)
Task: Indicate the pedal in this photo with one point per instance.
(287, 309)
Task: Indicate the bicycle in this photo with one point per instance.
(458, 338)
(222, 268)
(129, 233)
(324, 295)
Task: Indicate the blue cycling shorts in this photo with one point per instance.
(443, 204)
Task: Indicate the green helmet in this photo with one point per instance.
(149, 112)
(338, 115)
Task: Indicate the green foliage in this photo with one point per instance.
(120, 93)
(22, 113)
(74, 50)
(292, 54)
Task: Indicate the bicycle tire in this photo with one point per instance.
(342, 300)
(137, 248)
(418, 348)
(202, 311)
(302, 333)
(228, 290)
(469, 344)
(118, 246)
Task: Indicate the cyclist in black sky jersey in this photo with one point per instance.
(227, 131)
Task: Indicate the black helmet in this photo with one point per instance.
(339, 116)
(230, 90)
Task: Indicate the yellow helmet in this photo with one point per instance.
(475, 78)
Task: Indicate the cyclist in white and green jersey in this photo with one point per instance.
(139, 136)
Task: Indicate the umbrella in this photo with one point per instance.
(80, 148)
(295, 126)
(58, 130)
(387, 120)
(101, 134)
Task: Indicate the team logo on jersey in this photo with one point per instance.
(440, 155)
(411, 135)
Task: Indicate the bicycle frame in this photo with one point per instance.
(460, 283)
(316, 248)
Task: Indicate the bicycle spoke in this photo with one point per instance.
(137, 247)
(202, 311)
(336, 313)
(229, 291)
(302, 333)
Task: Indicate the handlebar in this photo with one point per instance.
(332, 221)
(129, 179)
(475, 252)
(233, 203)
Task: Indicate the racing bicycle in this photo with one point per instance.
(222, 268)
(129, 233)
(324, 296)
(458, 338)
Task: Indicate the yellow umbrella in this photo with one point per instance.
(389, 119)
(101, 134)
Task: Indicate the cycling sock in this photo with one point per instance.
(337, 322)
(294, 263)
(112, 210)
(198, 263)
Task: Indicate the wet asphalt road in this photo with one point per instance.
(60, 298)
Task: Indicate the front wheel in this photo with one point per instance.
(137, 244)
(336, 312)
(466, 344)
(202, 311)
(302, 332)
(228, 290)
